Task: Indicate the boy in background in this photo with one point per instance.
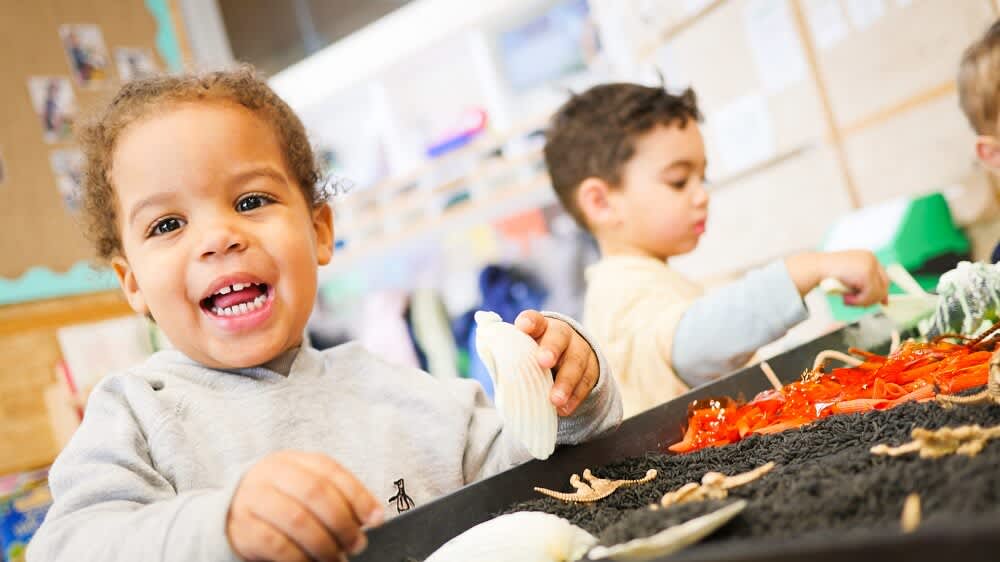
(628, 163)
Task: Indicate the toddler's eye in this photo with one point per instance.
(679, 184)
(166, 226)
(252, 201)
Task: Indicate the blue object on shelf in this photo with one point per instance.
(507, 292)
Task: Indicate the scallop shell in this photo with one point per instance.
(525, 536)
(521, 386)
(669, 540)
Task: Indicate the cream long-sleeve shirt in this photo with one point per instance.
(663, 336)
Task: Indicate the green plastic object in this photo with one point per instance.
(924, 231)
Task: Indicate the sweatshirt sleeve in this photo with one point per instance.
(110, 503)
(719, 332)
(602, 409)
(490, 450)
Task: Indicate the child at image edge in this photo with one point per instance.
(244, 442)
(979, 95)
(628, 163)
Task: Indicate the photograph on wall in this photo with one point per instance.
(562, 41)
(134, 63)
(88, 57)
(67, 166)
(55, 104)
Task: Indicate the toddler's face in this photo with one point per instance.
(220, 245)
(662, 201)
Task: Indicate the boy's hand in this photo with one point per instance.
(294, 505)
(567, 353)
(859, 270)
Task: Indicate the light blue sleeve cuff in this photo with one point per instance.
(602, 409)
(721, 331)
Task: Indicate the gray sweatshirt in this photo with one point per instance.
(150, 473)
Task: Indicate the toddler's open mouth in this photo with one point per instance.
(237, 299)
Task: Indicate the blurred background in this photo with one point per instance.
(829, 124)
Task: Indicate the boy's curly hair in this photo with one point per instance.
(979, 81)
(140, 98)
(593, 134)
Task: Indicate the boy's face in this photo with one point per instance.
(661, 207)
(220, 246)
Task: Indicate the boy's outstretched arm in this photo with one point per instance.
(585, 396)
(719, 332)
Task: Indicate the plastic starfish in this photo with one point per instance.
(598, 488)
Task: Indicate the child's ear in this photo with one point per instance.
(594, 200)
(323, 225)
(129, 285)
(988, 152)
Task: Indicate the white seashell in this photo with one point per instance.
(525, 536)
(669, 540)
(521, 386)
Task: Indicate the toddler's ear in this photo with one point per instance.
(129, 285)
(323, 225)
(594, 201)
(988, 152)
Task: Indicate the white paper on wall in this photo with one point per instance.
(92, 351)
(864, 13)
(742, 133)
(774, 43)
(826, 22)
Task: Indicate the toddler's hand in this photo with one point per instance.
(294, 505)
(866, 281)
(567, 353)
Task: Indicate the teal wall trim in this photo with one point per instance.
(39, 283)
(166, 35)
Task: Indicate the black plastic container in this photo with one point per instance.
(418, 533)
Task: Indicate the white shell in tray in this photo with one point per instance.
(525, 536)
(669, 540)
(521, 386)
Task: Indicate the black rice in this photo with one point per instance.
(826, 483)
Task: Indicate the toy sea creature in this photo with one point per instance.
(521, 386)
(714, 486)
(966, 440)
(594, 488)
(910, 518)
(525, 536)
(669, 540)
(969, 300)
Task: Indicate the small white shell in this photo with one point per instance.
(521, 386)
(525, 536)
(669, 540)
